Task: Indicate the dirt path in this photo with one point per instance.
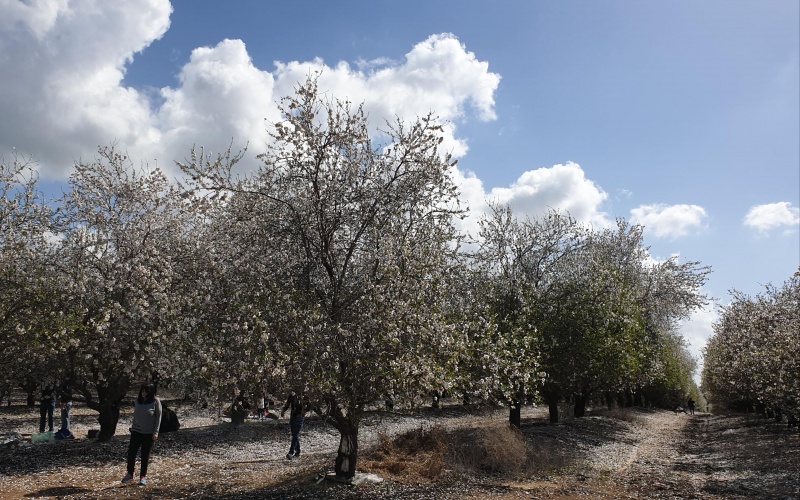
(700, 456)
(653, 468)
(622, 454)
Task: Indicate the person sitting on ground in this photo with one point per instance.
(65, 403)
(240, 409)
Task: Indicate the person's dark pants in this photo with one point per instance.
(295, 424)
(46, 408)
(143, 441)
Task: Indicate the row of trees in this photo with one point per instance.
(753, 359)
(334, 268)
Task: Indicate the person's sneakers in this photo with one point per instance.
(296, 455)
(288, 456)
(142, 480)
(127, 478)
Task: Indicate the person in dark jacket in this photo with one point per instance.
(46, 406)
(144, 430)
(298, 405)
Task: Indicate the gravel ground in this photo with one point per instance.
(632, 453)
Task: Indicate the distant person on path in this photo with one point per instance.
(298, 405)
(690, 404)
(144, 430)
(46, 406)
(260, 406)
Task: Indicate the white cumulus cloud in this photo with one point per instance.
(773, 215)
(61, 68)
(669, 221)
(561, 187)
(62, 65)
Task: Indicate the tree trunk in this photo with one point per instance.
(580, 405)
(552, 407)
(109, 399)
(109, 416)
(347, 454)
(551, 394)
(515, 413)
(29, 387)
(628, 399)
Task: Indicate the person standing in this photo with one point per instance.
(144, 430)
(260, 406)
(46, 406)
(298, 405)
(690, 404)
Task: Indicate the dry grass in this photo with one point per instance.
(497, 449)
(630, 415)
(415, 456)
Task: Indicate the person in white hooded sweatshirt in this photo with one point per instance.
(144, 431)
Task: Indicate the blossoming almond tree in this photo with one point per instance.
(515, 270)
(754, 355)
(26, 278)
(353, 242)
(118, 250)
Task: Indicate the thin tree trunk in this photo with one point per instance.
(553, 409)
(552, 394)
(515, 413)
(580, 405)
(29, 387)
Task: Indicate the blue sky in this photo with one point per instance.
(682, 115)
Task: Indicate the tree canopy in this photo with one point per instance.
(335, 269)
(754, 355)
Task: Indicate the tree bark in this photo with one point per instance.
(515, 413)
(29, 387)
(637, 398)
(109, 416)
(109, 399)
(552, 394)
(580, 405)
(347, 455)
(628, 399)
